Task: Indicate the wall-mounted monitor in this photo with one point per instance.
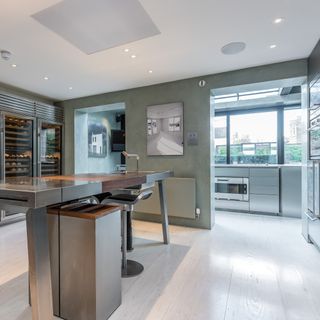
(118, 140)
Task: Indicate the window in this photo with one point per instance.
(292, 135)
(253, 138)
(248, 95)
(174, 124)
(220, 131)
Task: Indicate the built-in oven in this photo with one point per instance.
(232, 188)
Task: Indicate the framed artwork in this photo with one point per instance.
(165, 129)
(97, 140)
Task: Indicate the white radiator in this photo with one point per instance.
(181, 199)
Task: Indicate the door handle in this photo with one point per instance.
(310, 218)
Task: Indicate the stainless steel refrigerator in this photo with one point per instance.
(313, 165)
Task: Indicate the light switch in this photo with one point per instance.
(192, 138)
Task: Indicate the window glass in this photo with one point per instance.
(220, 141)
(253, 138)
(292, 136)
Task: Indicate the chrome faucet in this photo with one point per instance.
(132, 155)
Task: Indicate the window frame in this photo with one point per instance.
(280, 127)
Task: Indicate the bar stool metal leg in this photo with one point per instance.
(124, 239)
(129, 231)
(130, 268)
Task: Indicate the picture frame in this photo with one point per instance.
(165, 129)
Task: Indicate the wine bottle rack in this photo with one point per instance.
(51, 161)
(18, 147)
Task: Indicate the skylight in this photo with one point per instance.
(248, 95)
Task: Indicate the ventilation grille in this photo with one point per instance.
(28, 108)
(49, 112)
(14, 104)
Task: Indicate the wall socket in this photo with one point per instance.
(192, 138)
(198, 211)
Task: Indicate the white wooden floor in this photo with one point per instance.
(247, 267)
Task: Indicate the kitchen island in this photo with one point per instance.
(33, 195)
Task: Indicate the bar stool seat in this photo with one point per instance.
(130, 268)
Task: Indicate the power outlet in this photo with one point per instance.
(192, 138)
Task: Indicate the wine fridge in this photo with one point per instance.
(17, 150)
(50, 145)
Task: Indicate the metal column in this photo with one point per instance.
(39, 264)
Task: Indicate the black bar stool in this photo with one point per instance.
(130, 268)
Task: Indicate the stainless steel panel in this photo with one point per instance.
(316, 190)
(49, 112)
(2, 147)
(268, 181)
(77, 269)
(264, 172)
(11, 103)
(314, 230)
(310, 188)
(81, 191)
(53, 233)
(17, 198)
(90, 267)
(232, 172)
(232, 205)
(291, 192)
(108, 265)
(264, 203)
(261, 189)
(157, 176)
(39, 264)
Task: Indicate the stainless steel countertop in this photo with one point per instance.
(27, 192)
(255, 165)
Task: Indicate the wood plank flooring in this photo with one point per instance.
(249, 267)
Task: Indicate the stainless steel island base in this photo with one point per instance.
(39, 264)
(33, 195)
(86, 268)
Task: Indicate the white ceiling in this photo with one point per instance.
(192, 33)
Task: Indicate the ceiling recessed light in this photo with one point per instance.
(233, 48)
(46, 78)
(150, 71)
(273, 46)
(278, 20)
(126, 50)
(70, 88)
(133, 56)
(13, 65)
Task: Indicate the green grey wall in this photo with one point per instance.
(196, 160)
